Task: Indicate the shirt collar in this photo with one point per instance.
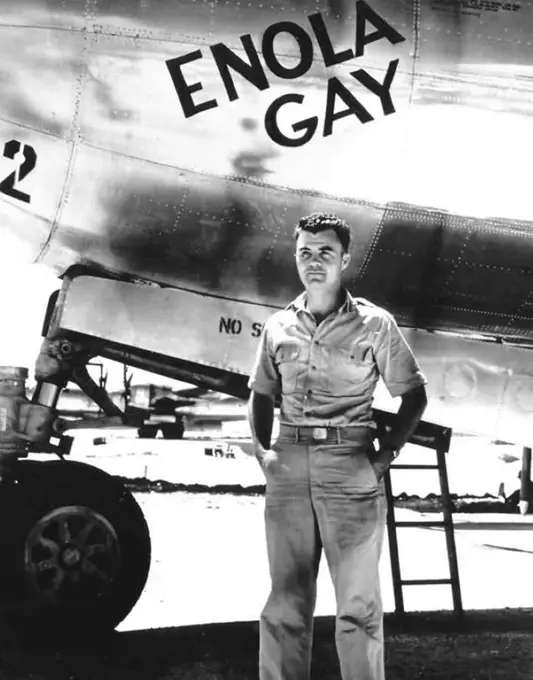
(299, 304)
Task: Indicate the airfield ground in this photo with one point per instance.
(197, 618)
(495, 646)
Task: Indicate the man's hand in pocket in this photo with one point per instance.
(269, 461)
(381, 462)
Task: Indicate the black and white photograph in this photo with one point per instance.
(266, 390)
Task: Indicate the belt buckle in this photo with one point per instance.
(320, 433)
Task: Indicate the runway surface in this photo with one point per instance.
(197, 617)
(209, 557)
(210, 565)
(475, 465)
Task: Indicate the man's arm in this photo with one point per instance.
(403, 378)
(264, 384)
(409, 415)
(261, 419)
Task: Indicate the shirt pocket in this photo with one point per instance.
(350, 371)
(288, 363)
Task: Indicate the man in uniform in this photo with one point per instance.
(324, 354)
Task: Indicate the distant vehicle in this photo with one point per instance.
(220, 450)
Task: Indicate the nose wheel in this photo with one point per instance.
(74, 549)
(72, 553)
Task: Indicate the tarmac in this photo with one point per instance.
(197, 617)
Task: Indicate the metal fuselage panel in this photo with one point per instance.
(479, 387)
(435, 190)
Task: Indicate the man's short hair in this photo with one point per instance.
(317, 222)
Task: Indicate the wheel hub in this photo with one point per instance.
(71, 555)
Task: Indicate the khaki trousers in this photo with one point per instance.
(323, 496)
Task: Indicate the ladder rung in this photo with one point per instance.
(420, 524)
(445, 523)
(414, 467)
(427, 582)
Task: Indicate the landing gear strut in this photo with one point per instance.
(74, 545)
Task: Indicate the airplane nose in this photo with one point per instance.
(34, 171)
(23, 235)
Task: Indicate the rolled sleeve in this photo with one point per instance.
(264, 376)
(395, 360)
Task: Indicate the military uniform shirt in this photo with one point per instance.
(327, 375)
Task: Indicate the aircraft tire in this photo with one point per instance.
(75, 550)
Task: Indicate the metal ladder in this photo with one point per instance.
(437, 438)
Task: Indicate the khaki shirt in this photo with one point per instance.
(327, 375)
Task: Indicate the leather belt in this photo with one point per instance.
(323, 435)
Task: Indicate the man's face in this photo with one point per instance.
(320, 259)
